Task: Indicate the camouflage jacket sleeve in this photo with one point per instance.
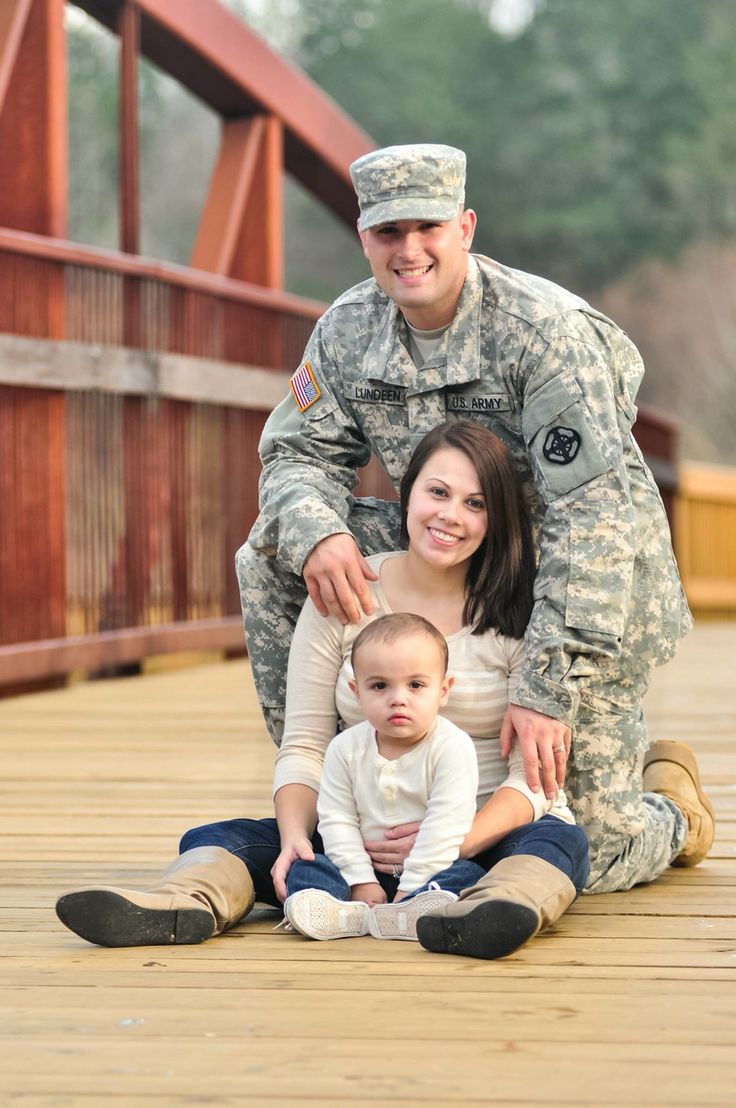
(310, 459)
(576, 420)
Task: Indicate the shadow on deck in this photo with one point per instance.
(630, 1000)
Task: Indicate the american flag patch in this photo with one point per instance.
(304, 387)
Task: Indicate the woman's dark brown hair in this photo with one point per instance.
(499, 585)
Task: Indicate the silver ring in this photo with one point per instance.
(558, 750)
(395, 871)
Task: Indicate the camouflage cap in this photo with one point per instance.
(423, 181)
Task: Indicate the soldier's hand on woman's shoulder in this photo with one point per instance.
(336, 576)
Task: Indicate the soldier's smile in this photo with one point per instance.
(414, 273)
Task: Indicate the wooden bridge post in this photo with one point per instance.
(33, 151)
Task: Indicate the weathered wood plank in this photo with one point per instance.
(332, 1014)
(285, 1068)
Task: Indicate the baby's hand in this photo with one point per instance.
(370, 893)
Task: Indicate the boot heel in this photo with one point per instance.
(193, 926)
(492, 930)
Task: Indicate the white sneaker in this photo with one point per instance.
(399, 921)
(320, 915)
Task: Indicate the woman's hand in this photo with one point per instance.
(388, 855)
(290, 851)
(544, 742)
(370, 893)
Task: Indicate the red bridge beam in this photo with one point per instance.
(219, 59)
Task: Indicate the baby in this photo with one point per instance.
(404, 764)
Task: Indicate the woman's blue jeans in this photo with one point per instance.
(256, 842)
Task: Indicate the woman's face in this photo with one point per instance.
(446, 516)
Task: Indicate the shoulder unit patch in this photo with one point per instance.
(561, 445)
(304, 387)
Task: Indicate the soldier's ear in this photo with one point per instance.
(363, 241)
(468, 220)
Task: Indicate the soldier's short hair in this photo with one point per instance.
(398, 625)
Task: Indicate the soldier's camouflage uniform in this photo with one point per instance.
(556, 381)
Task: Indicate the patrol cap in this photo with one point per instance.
(421, 181)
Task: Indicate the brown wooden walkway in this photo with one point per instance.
(630, 1001)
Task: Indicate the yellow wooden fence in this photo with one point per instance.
(705, 538)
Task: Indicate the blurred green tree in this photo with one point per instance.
(599, 135)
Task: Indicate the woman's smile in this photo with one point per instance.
(443, 536)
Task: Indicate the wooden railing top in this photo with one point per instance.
(133, 265)
(708, 482)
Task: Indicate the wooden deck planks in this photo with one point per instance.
(631, 1000)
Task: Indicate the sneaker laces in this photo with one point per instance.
(284, 925)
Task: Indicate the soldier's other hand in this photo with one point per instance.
(336, 576)
(544, 743)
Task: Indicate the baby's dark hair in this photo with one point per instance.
(391, 628)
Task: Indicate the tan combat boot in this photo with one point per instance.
(516, 899)
(671, 770)
(202, 892)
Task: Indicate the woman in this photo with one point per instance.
(468, 568)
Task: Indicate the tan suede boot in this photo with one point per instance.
(516, 899)
(202, 892)
(671, 770)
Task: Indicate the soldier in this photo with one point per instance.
(440, 333)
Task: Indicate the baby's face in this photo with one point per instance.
(401, 686)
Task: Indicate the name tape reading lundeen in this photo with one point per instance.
(455, 402)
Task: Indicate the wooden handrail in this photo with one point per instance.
(33, 661)
(71, 253)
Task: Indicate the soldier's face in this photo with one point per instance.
(421, 266)
(446, 516)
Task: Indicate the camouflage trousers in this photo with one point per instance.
(633, 835)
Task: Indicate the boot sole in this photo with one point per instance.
(108, 919)
(492, 930)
